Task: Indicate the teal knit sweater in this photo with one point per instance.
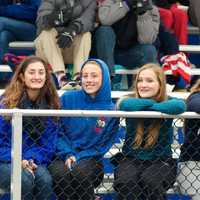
(162, 148)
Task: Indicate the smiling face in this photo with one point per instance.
(147, 84)
(34, 76)
(91, 78)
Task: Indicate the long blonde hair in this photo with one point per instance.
(16, 88)
(153, 130)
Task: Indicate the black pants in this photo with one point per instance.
(136, 179)
(79, 183)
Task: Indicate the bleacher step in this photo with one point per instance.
(22, 45)
(190, 48)
(123, 70)
(5, 68)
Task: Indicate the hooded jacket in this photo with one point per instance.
(190, 150)
(39, 136)
(129, 29)
(85, 137)
(24, 11)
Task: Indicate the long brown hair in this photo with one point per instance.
(195, 87)
(17, 87)
(153, 130)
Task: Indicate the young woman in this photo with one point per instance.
(30, 88)
(84, 140)
(188, 177)
(146, 167)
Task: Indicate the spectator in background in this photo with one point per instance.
(194, 13)
(84, 140)
(166, 42)
(30, 88)
(64, 35)
(146, 167)
(188, 178)
(174, 18)
(17, 22)
(126, 33)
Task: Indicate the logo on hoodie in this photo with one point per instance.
(100, 124)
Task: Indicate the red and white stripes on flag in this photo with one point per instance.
(178, 64)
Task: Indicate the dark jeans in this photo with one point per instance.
(166, 42)
(105, 48)
(79, 183)
(14, 30)
(39, 187)
(143, 179)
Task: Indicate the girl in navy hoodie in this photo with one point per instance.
(188, 177)
(84, 140)
(30, 88)
(146, 168)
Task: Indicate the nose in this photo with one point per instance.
(37, 76)
(89, 79)
(144, 84)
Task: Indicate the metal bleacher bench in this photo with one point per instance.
(118, 94)
(5, 68)
(31, 45)
(22, 45)
(122, 70)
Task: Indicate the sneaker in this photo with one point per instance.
(71, 85)
(62, 78)
(74, 84)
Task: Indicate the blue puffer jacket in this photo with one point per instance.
(40, 148)
(25, 11)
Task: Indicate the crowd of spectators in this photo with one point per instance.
(65, 155)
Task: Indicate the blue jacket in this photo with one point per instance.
(25, 11)
(40, 148)
(190, 150)
(162, 148)
(88, 136)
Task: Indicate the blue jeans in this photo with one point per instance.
(39, 187)
(14, 30)
(138, 55)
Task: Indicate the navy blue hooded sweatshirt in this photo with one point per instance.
(85, 137)
(190, 150)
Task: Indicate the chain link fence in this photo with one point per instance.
(93, 178)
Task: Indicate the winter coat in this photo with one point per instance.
(84, 11)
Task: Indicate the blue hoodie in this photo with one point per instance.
(85, 137)
(25, 11)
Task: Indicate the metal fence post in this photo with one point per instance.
(16, 155)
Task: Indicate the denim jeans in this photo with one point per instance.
(39, 187)
(138, 55)
(14, 30)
